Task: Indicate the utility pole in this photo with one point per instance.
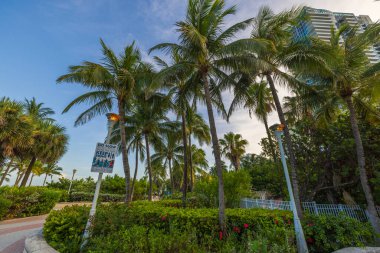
(301, 242)
(112, 119)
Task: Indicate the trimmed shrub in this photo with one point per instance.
(28, 201)
(88, 196)
(248, 230)
(330, 233)
(4, 206)
(63, 229)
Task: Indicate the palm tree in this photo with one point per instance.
(37, 111)
(4, 174)
(137, 145)
(200, 163)
(50, 143)
(37, 170)
(13, 120)
(272, 52)
(169, 154)
(347, 78)
(203, 44)
(233, 147)
(257, 98)
(198, 129)
(148, 116)
(51, 169)
(111, 80)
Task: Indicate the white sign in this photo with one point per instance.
(104, 158)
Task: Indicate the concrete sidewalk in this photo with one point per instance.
(14, 232)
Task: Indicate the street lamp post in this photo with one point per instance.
(300, 237)
(72, 179)
(112, 119)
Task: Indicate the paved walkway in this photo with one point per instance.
(13, 232)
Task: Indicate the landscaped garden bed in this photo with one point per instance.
(166, 227)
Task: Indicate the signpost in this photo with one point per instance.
(102, 162)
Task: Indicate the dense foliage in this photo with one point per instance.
(26, 201)
(165, 227)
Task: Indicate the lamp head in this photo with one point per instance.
(280, 127)
(112, 117)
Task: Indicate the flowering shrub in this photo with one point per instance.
(248, 230)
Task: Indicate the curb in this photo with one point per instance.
(37, 244)
(359, 250)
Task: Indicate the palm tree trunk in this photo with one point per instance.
(289, 144)
(374, 217)
(135, 174)
(271, 145)
(31, 179)
(17, 178)
(45, 179)
(28, 171)
(191, 165)
(216, 151)
(124, 151)
(185, 177)
(5, 173)
(171, 175)
(149, 167)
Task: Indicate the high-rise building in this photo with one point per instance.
(320, 21)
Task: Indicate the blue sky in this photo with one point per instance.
(40, 39)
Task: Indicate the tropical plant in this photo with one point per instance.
(257, 98)
(51, 169)
(169, 154)
(37, 111)
(50, 143)
(37, 170)
(347, 78)
(203, 44)
(148, 116)
(112, 80)
(233, 147)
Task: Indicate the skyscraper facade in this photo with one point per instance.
(320, 21)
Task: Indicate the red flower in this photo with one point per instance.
(310, 224)
(246, 225)
(310, 240)
(163, 218)
(276, 222)
(220, 235)
(236, 229)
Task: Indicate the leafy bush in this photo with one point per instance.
(4, 206)
(330, 233)
(165, 227)
(237, 185)
(63, 229)
(103, 197)
(28, 201)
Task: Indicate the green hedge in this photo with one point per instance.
(88, 196)
(247, 229)
(27, 201)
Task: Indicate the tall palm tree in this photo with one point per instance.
(51, 169)
(233, 147)
(50, 143)
(203, 43)
(37, 111)
(136, 144)
(257, 98)
(200, 163)
(347, 78)
(112, 83)
(5, 173)
(198, 129)
(13, 120)
(148, 116)
(169, 154)
(37, 170)
(271, 54)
